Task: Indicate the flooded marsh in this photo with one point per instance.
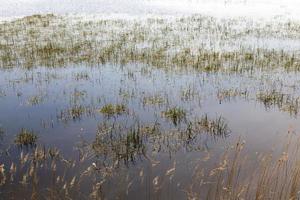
(189, 107)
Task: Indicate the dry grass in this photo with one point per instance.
(236, 174)
(241, 175)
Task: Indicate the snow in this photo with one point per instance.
(218, 8)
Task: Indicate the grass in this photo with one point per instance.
(189, 94)
(1, 131)
(2, 93)
(75, 112)
(229, 94)
(78, 96)
(2, 175)
(271, 98)
(117, 143)
(82, 76)
(111, 110)
(153, 100)
(52, 41)
(35, 100)
(175, 114)
(214, 127)
(26, 138)
(274, 98)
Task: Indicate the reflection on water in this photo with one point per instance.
(102, 126)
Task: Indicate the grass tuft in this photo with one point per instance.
(111, 110)
(26, 138)
(175, 114)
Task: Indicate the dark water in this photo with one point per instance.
(39, 99)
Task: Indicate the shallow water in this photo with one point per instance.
(38, 99)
